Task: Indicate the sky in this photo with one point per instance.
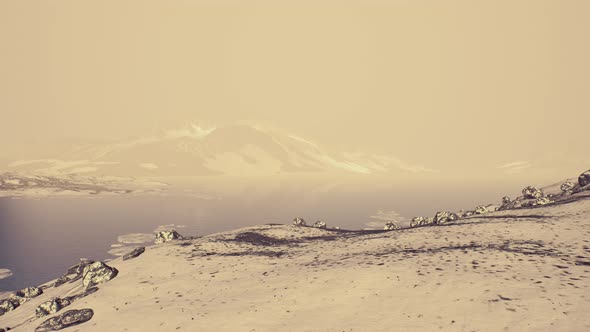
(454, 84)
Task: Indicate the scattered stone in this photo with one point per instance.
(7, 305)
(134, 253)
(531, 192)
(97, 273)
(67, 319)
(165, 236)
(390, 226)
(52, 306)
(29, 292)
(567, 187)
(444, 216)
(542, 201)
(320, 224)
(481, 210)
(75, 272)
(416, 221)
(60, 281)
(299, 222)
(584, 179)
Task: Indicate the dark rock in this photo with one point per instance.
(134, 253)
(417, 221)
(7, 305)
(390, 226)
(60, 281)
(166, 236)
(299, 222)
(444, 216)
(67, 319)
(97, 273)
(29, 292)
(75, 272)
(567, 187)
(584, 179)
(531, 192)
(52, 306)
(320, 224)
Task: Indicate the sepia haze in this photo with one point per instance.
(473, 90)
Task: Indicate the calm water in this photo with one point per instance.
(41, 238)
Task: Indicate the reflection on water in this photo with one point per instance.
(40, 239)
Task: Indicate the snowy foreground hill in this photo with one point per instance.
(518, 269)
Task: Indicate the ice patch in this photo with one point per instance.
(5, 273)
(148, 166)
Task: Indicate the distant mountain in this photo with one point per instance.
(239, 150)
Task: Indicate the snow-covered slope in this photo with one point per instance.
(240, 150)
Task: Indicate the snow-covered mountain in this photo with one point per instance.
(240, 150)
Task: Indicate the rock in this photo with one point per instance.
(319, 224)
(67, 319)
(60, 281)
(75, 272)
(133, 253)
(567, 187)
(165, 236)
(52, 306)
(542, 201)
(29, 292)
(299, 222)
(531, 192)
(390, 226)
(481, 210)
(444, 216)
(417, 221)
(97, 273)
(336, 228)
(429, 221)
(584, 179)
(7, 305)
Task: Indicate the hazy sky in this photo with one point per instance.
(436, 82)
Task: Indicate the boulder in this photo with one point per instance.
(567, 187)
(75, 272)
(7, 305)
(531, 192)
(417, 221)
(481, 210)
(165, 236)
(299, 222)
(29, 292)
(542, 201)
(319, 224)
(67, 319)
(428, 221)
(444, 216)
(134, 253)
(52, 306)
(97, 273)
(584, 179)
(390, 226)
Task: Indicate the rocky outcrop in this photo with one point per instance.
(97, 273)
(52, 306)
(134, 253)
(417, 221)
(16, 299)
(390, 226)
(320, 224)
(531, 192)
(165, 236)
(544, 200)
(481, 209)
(75, 272)
(567, 187)
(444, 216)
(67, 319)
(584, 179)
(7, 305)
(299, 222)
